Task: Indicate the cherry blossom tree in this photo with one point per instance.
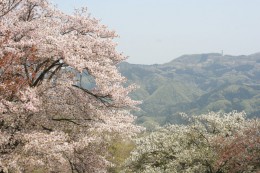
(210, 143)
(48, 120)
(242, 152)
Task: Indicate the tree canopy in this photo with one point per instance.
(48, 120)
(209, 143)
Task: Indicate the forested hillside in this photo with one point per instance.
(196, 84)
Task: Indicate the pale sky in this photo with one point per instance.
(157, 31)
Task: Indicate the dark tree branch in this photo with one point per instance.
(10, 7)
(41, 64)
(44, 72)
(65, 119)
(27, 73)
(71, 120)
(56, 70)
(46, 128)
(105, 99)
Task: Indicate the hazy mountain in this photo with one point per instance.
(196, 84)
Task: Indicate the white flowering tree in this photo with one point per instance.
(210, 143)
(48, 120)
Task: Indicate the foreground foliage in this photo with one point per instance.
(210, 143)
(48, 121)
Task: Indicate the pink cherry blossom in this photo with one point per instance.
(47, 119)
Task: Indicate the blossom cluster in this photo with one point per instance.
(213, 142)
(48, 121)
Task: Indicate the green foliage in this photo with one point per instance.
(119, 150)
(150, 123)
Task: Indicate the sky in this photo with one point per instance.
(158, 31)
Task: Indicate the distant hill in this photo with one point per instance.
(195, 84)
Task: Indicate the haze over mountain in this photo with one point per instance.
(196, 84)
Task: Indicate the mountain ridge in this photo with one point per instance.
(195, 84)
